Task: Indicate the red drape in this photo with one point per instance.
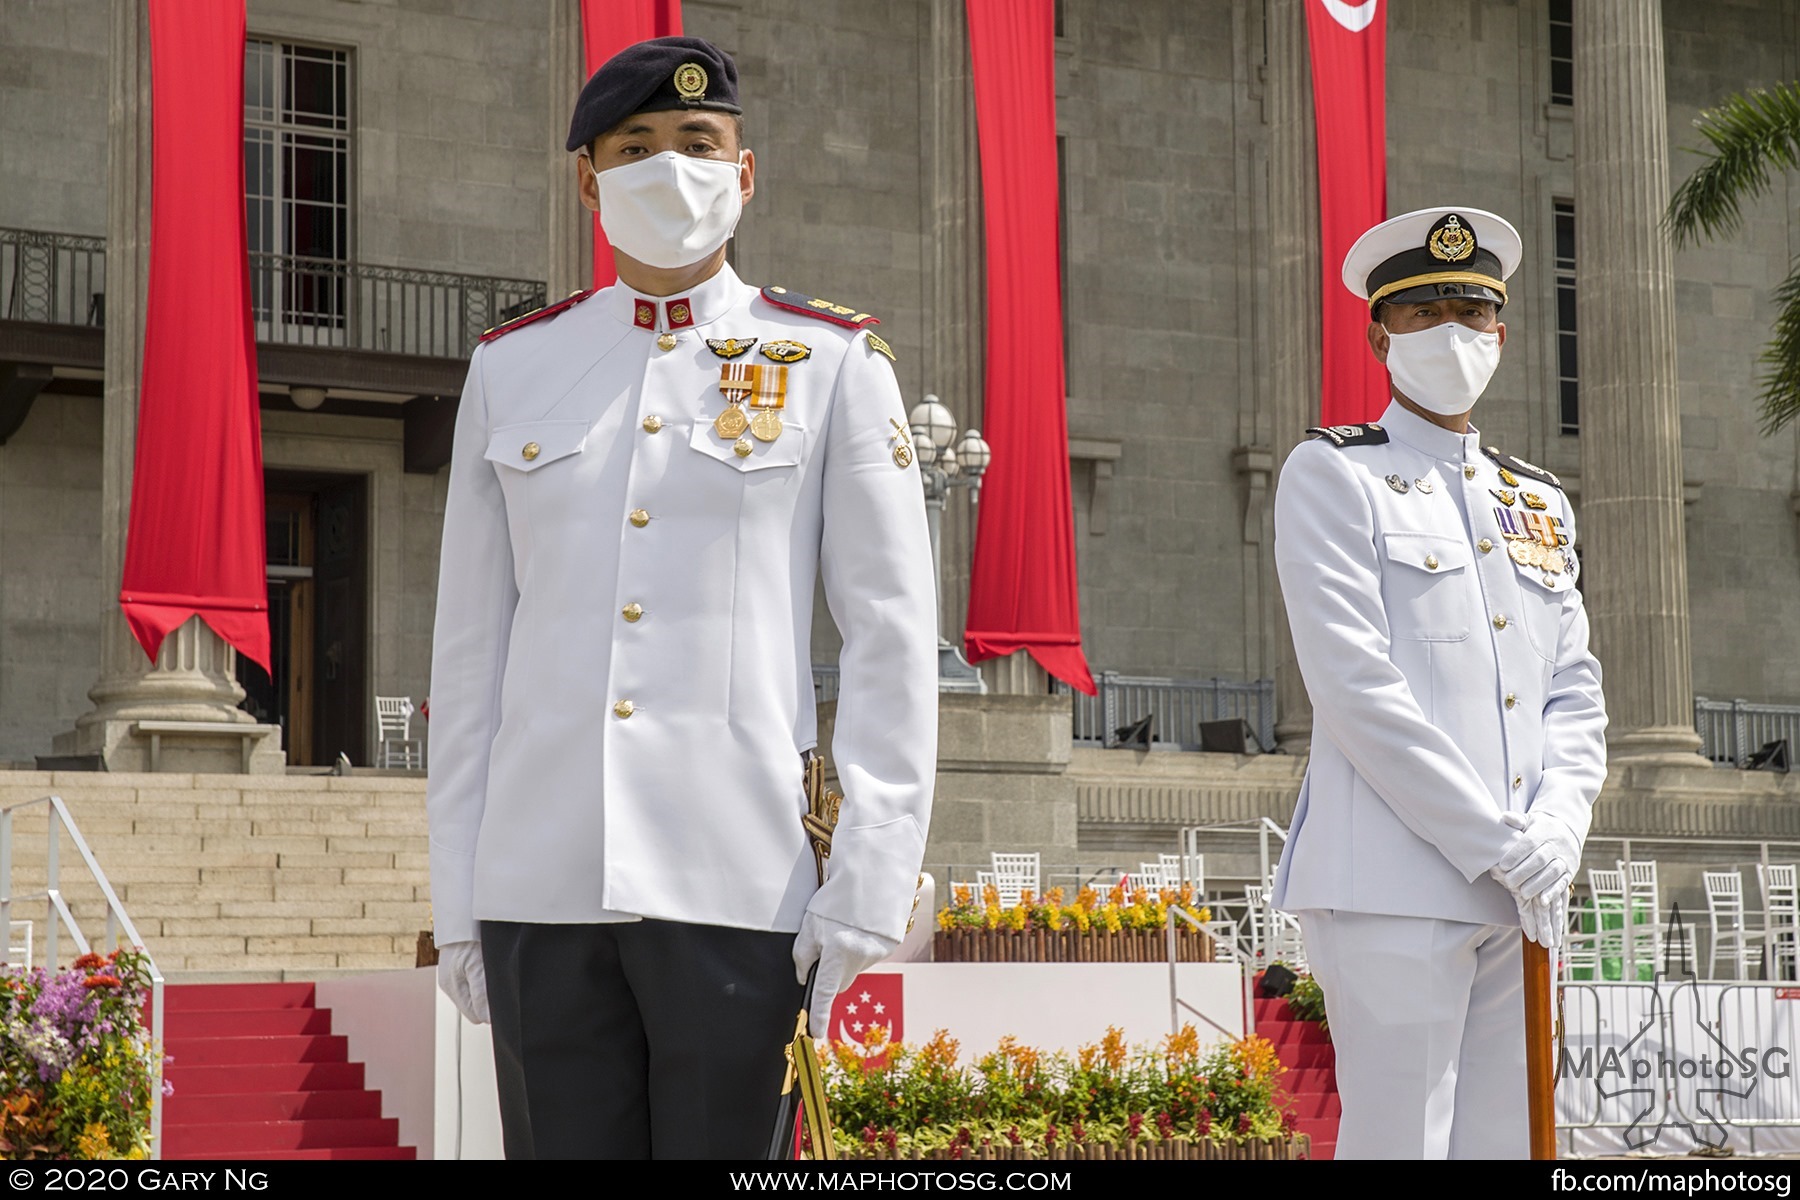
(1023, 592)
(1349, 69)
(607, 27)
(195, 542)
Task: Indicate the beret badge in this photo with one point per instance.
(1451, 240)
(690, 81)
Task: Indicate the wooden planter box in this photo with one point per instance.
(1260, 1149)
(1069, 946)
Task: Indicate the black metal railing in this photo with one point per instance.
(396, 310)
(61, 278)
(58, 278)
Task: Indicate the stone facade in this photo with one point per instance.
(1183, 239)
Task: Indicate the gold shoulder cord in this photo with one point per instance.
(822, 805)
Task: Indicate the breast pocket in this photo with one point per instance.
(1541, 605)
(1423, 582)
(532, 446)
(747, 456)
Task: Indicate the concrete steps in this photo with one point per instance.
(232, 874)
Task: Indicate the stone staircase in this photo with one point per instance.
(1310, 1083)
(235, 876)
(258, 1074)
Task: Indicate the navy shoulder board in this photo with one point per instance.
(1520, 467)
(1341, 436)
(824, 310)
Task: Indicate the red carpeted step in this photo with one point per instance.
(187, 997)
(1293, 1033)
(247, 1137)
(1314, 1106)
(406, 1153)
(182, 1109)
(265, 1077)
(1317, 1057)
(220, 1051)
(245, 1022)
(1272, 1009)
(1311, 1079)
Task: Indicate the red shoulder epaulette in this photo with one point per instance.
(537, 314)
(825, 310)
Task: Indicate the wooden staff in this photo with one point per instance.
(1540, 1051)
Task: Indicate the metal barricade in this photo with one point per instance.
(1732, 730)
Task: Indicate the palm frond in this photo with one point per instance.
(1781, 382)
(1751, 134)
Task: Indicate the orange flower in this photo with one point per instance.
(1112, 1048)
(941, 1051)
(1054, 896)
(960, 895)
(94, 981)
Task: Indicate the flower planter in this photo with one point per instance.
(1069, 946)
(1261, 1149)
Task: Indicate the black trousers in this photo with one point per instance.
(652, 1039)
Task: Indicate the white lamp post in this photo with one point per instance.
(945, 463)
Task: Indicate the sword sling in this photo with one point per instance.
(803, 1088)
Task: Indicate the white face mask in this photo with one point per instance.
(671, 209)
(1443, 369)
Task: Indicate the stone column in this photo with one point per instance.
(1633, 545)
(1292, 300)
(570, 225)
(953, 321)
(194, 677)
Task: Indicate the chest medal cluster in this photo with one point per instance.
(762, 389)
(1534, 537)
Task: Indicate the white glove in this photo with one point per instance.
(1546, 919)
(464, 979)
(1541, 857)
(843, 952)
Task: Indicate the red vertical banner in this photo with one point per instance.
(194, 546)
(607, 27)
(1023, 588)
(1349, 70)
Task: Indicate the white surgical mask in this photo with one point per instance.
(671, 209)
(1443, 369)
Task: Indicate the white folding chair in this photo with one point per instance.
(1607, 887)
(1781, 916)
(1643, 903)
(393, 734)
(1151, 877)
(1731, 937)
(18, 946)
(1014, 875)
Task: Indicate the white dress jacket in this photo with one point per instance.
(621, 674)
(1450, 682)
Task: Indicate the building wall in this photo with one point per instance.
(50, 599)
(53, 86)
(1161, 109)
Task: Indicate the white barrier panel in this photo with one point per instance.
(435, 1071)
(1669, 1067)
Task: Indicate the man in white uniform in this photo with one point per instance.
(1457, 714)
(646, 483)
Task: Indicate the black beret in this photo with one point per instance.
(654, 76)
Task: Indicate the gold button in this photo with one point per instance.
(1468, 472)
(1431, 562)
(1518, 782)
(639, 517)
(623, 709)
(652, 424)
(1484, 545)
(742, 447)
(1511, 699)
(1500, 621)
(531, 451)
(633, 611)
(666, 341)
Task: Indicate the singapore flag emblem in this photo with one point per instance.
(1354, 17)
(873, 1002)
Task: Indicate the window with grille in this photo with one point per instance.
(297, 183)
(1562, 51)
(1567, 380)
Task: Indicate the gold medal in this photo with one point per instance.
(1521, 552)
(731, 423)
(766, 424)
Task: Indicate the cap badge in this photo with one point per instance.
(690, 81)
(1450, 240)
